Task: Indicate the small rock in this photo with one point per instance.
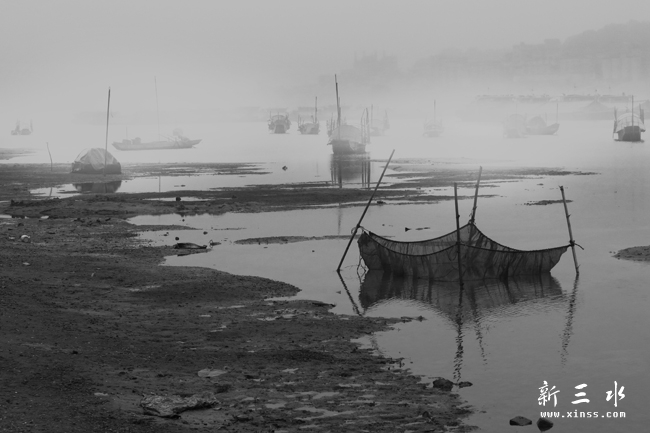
(443, 384)
(520, 420)
(543, 424)
(466, 384)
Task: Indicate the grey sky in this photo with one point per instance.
(219, 53)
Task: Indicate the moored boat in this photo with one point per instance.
(514, 126)
(538, 126)
(629, 126)
(433, 128)
(313, 127)
(19, 130)
(279, 123)
(348, 139)
(137, 144)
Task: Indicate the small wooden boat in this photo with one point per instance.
(538, 126)
(348, 139)
(514, 126)
(433, 128)
(310, 128)
(629, 126)
(279, 123)
(137, 144)
(19, 130)
(378, 127)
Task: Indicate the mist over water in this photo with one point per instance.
(217, 70)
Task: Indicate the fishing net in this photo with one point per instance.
(437, 259)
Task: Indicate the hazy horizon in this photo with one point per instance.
(62, 56)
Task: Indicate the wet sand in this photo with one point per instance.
(92, 324)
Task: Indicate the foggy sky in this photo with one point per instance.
(64, 54)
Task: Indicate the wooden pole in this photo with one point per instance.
(571, 241)
(471, 221)
(108, 112)
(460, 269)
(48, 151)
(155, 84)
(356, 228)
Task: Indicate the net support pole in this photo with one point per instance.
(460, 269)
(356, 228)
(478, 181)
(571, 241)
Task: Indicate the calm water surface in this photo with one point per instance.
(506, 340)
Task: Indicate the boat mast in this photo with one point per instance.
(108, 111)
(338, 107)
(458, 245)
(155, 82)
(316, 110)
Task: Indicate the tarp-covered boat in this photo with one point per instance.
(313, 127)
(437, 258)
(96, 161)
(629, 126)
(538, 126)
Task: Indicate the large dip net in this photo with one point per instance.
(437, 259)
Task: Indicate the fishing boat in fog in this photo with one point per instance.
(176, 142)
(20, 130)
(433, 128)
(538, 126)
(378, 127)
(279, 123)
(348, 139)
(515, 126)
(629, 125)
(310, 128)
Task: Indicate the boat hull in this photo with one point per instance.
(156, 145)
(629, 133)
(309, 128)
(347, 147)
(544, 130)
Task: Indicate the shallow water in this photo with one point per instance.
(505, 340)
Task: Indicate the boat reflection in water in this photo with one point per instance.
(472, 305)
(350, 169)
(98, 187)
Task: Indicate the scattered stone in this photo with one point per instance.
(520, 420)
(443, 384)
(543, 424)
(170, 407)
(465, 384)
(206, 372)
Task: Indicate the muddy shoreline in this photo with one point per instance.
(93, 325)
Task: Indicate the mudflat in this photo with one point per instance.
(93, 328)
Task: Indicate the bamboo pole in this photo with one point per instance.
(480, 170)
(356, 228)
(108, 112)
(48, 151)
(460, 269)
(571, 241)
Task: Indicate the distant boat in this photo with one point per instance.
(313, 127)
(378, 127)
(538, 126)
(629, 126)
(514, 126)
(177, 142)
(348, 139)
(19, 130)
(433, 128)
(279, 124)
